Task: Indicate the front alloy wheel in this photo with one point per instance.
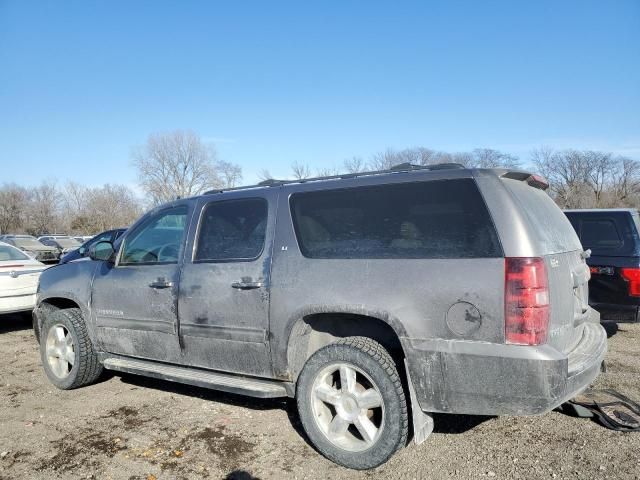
(60, 351)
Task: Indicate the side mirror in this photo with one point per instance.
(102, 251)
(82, 251)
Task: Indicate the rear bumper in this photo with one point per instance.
(616, 312)
(492, 379)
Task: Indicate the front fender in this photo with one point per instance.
(66, 286)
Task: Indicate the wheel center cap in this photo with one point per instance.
(348, 407)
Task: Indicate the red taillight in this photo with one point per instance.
(526, 301)
(632, 275)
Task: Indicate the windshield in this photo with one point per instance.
(8, 252)
(27, 242)
(66, 242)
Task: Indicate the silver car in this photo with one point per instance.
(374, 299)
(32, 247)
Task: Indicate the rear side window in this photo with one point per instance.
(437, 219)
(606, 232)
(600, 234)
(232, 230)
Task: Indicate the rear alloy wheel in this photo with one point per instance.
(352, 404)
(352, 415)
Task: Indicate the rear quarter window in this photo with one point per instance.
(436, 219)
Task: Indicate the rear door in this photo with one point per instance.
(224, 289)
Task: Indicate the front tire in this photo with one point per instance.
(66, 350)
(352, 404)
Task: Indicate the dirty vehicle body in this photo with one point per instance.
(19, 275)
(368, 297)
(613, 237)
(32, 247)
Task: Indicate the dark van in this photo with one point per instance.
(612, 236)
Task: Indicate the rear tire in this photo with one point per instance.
(352, 404)
(67, 354)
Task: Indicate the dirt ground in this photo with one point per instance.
(128, 427)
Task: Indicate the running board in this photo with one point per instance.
(200, 378)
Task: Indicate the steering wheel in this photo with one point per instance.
(133, 254)
(168, 252)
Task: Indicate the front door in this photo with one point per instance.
(224, 290)
(134, 300)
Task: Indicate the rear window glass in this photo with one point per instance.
(437, 219)
(11, 253)
(606, 233)
(549, 225)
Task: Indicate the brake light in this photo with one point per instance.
(526, 301)
(538, 181)
(632, 275)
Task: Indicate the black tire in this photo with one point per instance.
(86, 368)
(371, 358)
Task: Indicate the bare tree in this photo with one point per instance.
(43, 211)
(384, 160)
(626, 181)
(300, 171)
(230, 174)
(264, 175)
(177, 164)
(354, 165)
(479, 158)
(327, 172)
(490, 158)
(589, 179)
(598, 173)
(13, 205)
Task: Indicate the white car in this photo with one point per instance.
(19, 275)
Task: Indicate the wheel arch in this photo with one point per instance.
(314, 328)
(51, 303)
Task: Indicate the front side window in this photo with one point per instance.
(157, 240)
(436, 219)
(232, 230)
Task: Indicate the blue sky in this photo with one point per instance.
(270, 83)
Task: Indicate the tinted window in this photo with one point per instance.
(438, 219)
(232, 230)
(607, 232)
(157, 240)
(600, 233)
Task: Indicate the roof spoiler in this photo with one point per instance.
(536, 181)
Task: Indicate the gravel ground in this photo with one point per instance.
(128, 427)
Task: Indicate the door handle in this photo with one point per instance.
(161, 284)
(247, 285)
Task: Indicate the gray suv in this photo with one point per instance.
(374, 299)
